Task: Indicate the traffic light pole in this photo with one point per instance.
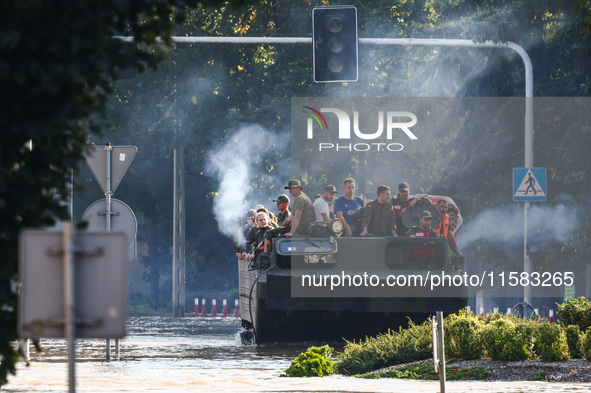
(529, 89)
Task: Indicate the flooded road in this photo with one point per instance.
(190, 355)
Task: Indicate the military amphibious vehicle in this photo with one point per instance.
(329, 287)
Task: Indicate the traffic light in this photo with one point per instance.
(334, 32)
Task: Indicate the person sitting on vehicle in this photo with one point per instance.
(303, 211)
(424, 229)
(283, 218)
(346, 208)
(302, 216)
(377, 218)
(321, 209)
(400, 204)
(262, 221)
(240, 243)
(272, 218)
(444, 229)
(444, 223)
(453, 210)
(453, 222)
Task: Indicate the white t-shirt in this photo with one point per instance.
(320, 206)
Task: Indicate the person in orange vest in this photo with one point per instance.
(443, 228)
(444, 223)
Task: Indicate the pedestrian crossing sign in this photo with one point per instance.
(529, 184)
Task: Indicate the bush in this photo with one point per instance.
(586, 345)
(368, 355)
(413, 343)
(508, 339)
(315, 362)
(575, 312)
(573, 338)
(462, 336)
(550, 342)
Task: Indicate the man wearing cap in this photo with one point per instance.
(424, 229)
(282, 202)
(283, 219)
(400, 204)
(347, 206)
(378, 218)
(303, 211)
(321, 210)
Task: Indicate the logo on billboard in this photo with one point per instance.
(391, 124)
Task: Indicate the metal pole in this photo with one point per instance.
(70, 301)
(108, 194)
(175, 218)
(181, 228)
(441, 351)
(527, 262)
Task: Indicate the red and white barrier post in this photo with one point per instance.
(551, 316)
(196, 307)
(536, 314)
(235, 308)
(213, 308)
(225, 308)
(495, 310)
(468, 310)
(508, 310)
(203, 314)
(481, 311)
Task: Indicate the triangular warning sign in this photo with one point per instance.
(121, 157)
(529, 186)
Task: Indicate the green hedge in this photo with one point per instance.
(393, 347)
(573, 338)
(463, 336)
(550, 342)
(508, 339)
(575, 312)
(499, 337)
(586, 345)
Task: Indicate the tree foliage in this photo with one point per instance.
(55, 58)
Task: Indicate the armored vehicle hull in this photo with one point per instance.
(292, 294)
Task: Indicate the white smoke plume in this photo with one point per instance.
(236, 164)
(505, 224)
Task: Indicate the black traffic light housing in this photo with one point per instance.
(335, 42)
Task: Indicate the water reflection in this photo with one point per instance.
(185, 355)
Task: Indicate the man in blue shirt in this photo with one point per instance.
(347, 207)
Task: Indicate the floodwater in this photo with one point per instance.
(190, 355)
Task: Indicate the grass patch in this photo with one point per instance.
(540, 375)
(427, 371)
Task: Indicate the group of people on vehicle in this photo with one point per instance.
(379, 217)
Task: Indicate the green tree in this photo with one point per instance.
(55, 57)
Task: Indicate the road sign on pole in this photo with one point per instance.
(529, 185)
(121, 157)
(122, 218)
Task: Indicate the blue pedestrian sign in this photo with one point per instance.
(529, 184)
